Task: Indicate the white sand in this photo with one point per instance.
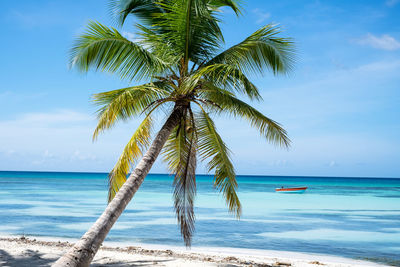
(38, 252)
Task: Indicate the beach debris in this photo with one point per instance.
(317, 263)
(231, 258)
(278, 263)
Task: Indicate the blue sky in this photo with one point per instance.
(340, 104)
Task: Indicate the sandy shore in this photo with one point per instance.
(23, 251)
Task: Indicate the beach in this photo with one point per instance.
(30, 251)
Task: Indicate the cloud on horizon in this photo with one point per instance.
(61, 140)
(383, 42)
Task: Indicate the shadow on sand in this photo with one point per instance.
(30, 258)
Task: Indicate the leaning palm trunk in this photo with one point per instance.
(84, 250)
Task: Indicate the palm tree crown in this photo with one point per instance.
(178, 52)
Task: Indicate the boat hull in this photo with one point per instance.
(291, 190)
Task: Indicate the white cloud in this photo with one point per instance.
(391, 3)
(326, 116)
(47, 154)
(61, 140)
(58, 116)
(135, 39)
(314, 101)
(44, 14)
(384, 42)
(130, 36)
(42, 139)
(78, 155)
(46, 157)
(47, 16)
(27, 20)
(261, 15)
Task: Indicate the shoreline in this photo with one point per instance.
(35, 251)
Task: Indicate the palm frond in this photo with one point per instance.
(269, 129)
(125, 103)
(230, 78)
(263, 49)
(180, 154)
(132, 152)
(189, 28)
(212, 146)
(159, 44)
(143, 9)
(233, 4)
(106, 49)
(185, 191)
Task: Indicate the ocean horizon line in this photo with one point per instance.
(203, 174)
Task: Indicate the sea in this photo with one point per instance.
(357, 218)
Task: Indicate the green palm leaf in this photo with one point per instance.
(106, 49)
(190, 29)
(268, 128)
(143, 9)
(212, 146)
(261, 50)
(180, 154)
(230, 78)
(132, 152)
(125, 103)
(233, 4)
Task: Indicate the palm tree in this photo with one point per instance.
(178, 51)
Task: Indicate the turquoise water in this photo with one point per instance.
(353, 217)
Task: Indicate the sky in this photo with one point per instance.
(339, 104)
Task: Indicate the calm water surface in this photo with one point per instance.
(353, 217)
